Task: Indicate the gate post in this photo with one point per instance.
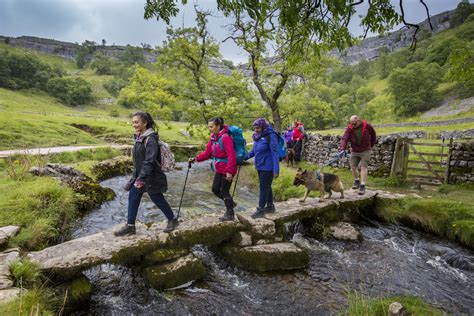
(400, 160)
(448, 162)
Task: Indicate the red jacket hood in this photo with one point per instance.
(215, 137)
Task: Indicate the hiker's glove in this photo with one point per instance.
(342, 153)
(139, 183)
(192, 160)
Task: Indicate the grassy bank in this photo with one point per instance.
(40, 205)
(360, 305)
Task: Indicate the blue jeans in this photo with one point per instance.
(266, 195)
(134, 198)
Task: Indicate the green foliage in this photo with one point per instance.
(102, 64)
(33, 302)
(21, 71)
(361, 305)
(379, 109)
(438, 51)
(461, 64)
(414, 87)
(83, 52)
(462, 12)
(25, 274)
(133, 55)
(70, 91)
(149, 91)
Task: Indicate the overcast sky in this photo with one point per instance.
(121, 21)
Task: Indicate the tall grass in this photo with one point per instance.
(361, 305)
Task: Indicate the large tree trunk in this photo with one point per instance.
(276, 117)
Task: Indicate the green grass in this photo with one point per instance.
(25, 274)
(361, 305)
(32, 302)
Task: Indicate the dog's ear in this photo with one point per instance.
(299, 169)
(305, 171)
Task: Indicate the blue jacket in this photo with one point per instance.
(266, 155)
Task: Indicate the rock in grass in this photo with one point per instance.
(271, 257)
(397, 309)
(8, 295)
(173, 274)
(5, 260)
(6, 233)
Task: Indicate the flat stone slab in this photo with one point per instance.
(293, 209)
(70, 258)
(258, 227)
(5, 260)
(271, 257)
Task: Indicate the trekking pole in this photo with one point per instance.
(184, 187)
(236, 179)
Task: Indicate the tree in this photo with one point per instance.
(414, 87)
(70, 91)
(462, 12)
(461, 64)
(83, 52)
(133, 55)
(104, 42)
(150, 91)
(102, 64)
(294, 27)
(191, 49)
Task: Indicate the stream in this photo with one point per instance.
(391, 261)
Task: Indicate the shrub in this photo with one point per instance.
(70, 91)
(25, 273)
(414, 88)
(462, 12)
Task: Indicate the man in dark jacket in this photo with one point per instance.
(362, 137)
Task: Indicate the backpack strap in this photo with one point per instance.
(158, 156)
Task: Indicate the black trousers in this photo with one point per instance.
(298, 147)
(221, 188)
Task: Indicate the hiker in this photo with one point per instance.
(267, 163)
(289, 136)
(362, 137)
(221, 149)
(298, 135)
(147, 174)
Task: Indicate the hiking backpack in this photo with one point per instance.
(166, 160)
(281, 145)
(239, 143)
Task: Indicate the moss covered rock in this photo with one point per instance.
(114, 167)
(178, 272)
(259, 227)
(272, 257)
(163, 255)
(76, 293)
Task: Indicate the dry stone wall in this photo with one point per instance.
(461, 165)
(320, 149)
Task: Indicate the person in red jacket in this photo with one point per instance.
(298, 135)
(362, 137)
(221, 149)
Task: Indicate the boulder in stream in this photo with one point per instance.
(175, 273)
(345, 231)
(271, 257)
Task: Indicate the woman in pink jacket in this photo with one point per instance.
(221, 149)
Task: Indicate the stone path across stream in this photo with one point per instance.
(70, 258)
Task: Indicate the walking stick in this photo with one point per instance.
(236, 179)
(184, 187)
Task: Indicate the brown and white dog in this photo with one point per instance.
(324, 182)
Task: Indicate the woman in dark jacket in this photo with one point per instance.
(267, 163)
(147, 174)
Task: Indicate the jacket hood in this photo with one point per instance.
(148, 132)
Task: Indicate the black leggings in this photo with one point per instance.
(221, 187)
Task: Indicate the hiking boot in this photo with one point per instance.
(126, 230)
(228, 216)
(269, 209)
(356, 184)
(172, 223)
(362, 189)
(260, 212)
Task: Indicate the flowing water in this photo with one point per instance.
(391, 261)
